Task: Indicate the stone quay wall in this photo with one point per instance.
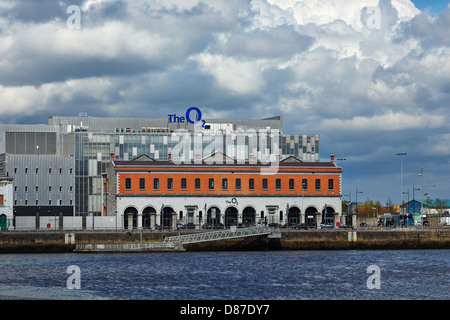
(340, 239)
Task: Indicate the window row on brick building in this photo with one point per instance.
(226, 183)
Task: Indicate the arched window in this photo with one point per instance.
(330, 184)
(248, 216)
(147, 216)
(130, 218)
(294, 216)
(231, 216)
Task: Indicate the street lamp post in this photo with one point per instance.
(346, 217)
(303, 207)
(357, 198)
(408, 211)
(421, 205)
(401, 154)
(287, 215)
(206, 215)
(414, 204)
(373, 208)
(357, 201)
(341, 217)
(162, 217)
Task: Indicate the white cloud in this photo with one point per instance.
(316, 63)
(323, 12)
(25, 46)
(303, 55)
(270, 15)
(24, 100)
(235, 76)
(389, 121)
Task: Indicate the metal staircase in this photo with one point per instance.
(220, 235)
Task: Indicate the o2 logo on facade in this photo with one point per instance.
(175, 118)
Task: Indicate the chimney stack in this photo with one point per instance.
(332, 157)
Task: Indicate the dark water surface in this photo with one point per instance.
(274, 275)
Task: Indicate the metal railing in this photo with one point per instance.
(219, 235)
(117, 247)
(175, 243)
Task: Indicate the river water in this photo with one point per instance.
(267, 275)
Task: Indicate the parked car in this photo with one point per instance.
(212, 226)
(363, 225)
(305, 226)
(274, 225)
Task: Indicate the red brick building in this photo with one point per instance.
(144, 193)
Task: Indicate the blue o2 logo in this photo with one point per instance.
(198, 118)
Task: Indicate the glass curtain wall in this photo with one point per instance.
(93, 151)
(92, 155)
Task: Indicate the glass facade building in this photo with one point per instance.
(83, 146)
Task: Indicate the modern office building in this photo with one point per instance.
(57, 168)
(41, 168)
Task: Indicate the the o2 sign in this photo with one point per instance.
(175, 118)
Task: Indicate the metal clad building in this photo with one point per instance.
(42, 179)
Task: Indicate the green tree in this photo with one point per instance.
(371, 208)
(345, 204)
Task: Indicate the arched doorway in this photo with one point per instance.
(248, 216)
(328, 216)
(166, 218)
(310, 215)
(3, 222)
(231, 216)
(213, 216)
(130, 218)
(148, 218)
(293, 216)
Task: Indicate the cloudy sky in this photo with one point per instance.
(371, 77)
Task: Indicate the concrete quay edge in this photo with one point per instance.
(318, 239)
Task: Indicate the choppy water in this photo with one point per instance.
(275, 275)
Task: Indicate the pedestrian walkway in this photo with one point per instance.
(175, 243)
(231, 233)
